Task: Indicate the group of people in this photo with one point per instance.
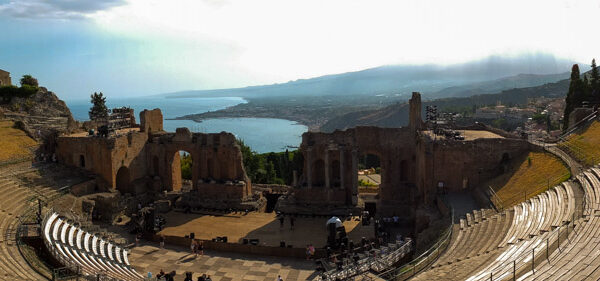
(197, 247)
(162, 276)
(310, 251)
(391, 220)
(203, 277)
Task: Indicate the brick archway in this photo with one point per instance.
(123, 180)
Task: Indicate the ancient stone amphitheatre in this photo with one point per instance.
(448, 205)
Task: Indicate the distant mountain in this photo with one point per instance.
(397, 115)
(495, 86)
(401, 80)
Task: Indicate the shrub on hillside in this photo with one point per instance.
(28, 80)
(7, 93)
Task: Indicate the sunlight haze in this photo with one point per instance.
(167, 46)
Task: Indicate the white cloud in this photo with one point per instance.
(56, 9)
(275, 40)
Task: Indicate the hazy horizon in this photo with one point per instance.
(138, 48)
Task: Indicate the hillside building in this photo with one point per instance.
(4, 78)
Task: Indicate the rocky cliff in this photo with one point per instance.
(41, 114)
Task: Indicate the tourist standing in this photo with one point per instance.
(279, 278)
(307, 252)
(208, 278)
(201, 248)
(162, 242)
(193, 247)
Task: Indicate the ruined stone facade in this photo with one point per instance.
(5, 78)
(414, 166)
(148, 160)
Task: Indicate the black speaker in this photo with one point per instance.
(192, 235)
(245, 241)
(282, 244)
(224, 239)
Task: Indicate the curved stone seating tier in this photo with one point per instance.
(16, 198)
(580, 258)
(13, 202)
(76, 247)
(482, 237)
(535, 222)
(490, 245)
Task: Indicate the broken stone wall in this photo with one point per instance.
(151, 120)
(466, 164)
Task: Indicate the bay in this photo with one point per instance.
(261, 134)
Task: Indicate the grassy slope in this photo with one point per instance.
(584, 146)
(525, 181)
(14, 143)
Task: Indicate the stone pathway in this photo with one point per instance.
(575, 166)
(220, 266)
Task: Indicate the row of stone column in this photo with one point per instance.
(327, 166)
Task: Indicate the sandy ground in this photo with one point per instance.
(470, 135)
(263, 226)
(374, 178)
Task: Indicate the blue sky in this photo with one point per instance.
(147, 47)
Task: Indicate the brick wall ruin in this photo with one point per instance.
(148, 160)
(413, 165)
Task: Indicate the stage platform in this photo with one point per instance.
(262, 226)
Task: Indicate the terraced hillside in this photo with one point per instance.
(584, 146)
(14, 143)
(532, 175)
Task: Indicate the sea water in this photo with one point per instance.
(261, 134)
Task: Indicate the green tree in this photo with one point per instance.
(271, 167)
(99, 109)
(29, 80)
(186, 166)
(595, 82)
(575, 95)
(587, 89)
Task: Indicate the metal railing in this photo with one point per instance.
(30, 217)
(384, 257)
(577, 125)
(500, 204)
(496, 202)
(578, 153)
(410, 269)
(537, 250)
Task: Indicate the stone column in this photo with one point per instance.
(295, 178)
(327, 183)
(308, 167)
(342, 171)
(354, 188)
(195, 169)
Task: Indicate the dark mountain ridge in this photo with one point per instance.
(397, 115)
(401, 80)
